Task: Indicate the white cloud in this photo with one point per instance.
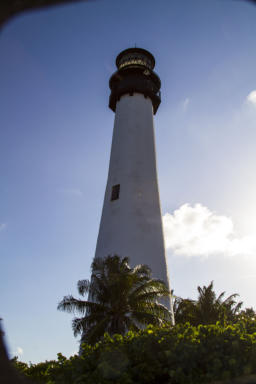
(19, 351)
(2, 226)
(71, 191)
(197, 231)
(251, 98)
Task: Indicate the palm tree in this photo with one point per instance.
(184, 310)
(208, 309)
(248, 313)
(211, 308)
(120, 298)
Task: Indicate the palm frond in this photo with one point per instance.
(142, 269)
(83, 287)
(125, 263)
(149, 286)
(238, 307)
(96, 332)
(70, 304)
(146, 318)
(219, 298)
(154, 294)
(158, 309)
(94, 307)
(230, 298)
(78, 326)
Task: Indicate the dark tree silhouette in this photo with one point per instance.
(208, 308)
(8, 374)
(121, 298)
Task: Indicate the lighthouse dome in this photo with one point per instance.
(135, 56)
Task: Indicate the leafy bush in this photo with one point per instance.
(39, 372)
(176, 355)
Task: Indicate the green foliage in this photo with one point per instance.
(121, 298)
(183, 354)
(208, 308)
(247, 314)
(22, 367)
(39, 372)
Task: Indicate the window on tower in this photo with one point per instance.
(115, 192)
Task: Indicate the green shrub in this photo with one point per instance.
(183, 354)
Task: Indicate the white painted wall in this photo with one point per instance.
(132, 225)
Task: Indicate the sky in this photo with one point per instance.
(55, 138)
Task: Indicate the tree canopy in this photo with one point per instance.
(120, 298)
(208, 308)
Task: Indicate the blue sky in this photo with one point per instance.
(55, 137)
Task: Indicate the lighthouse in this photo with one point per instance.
(131, 221)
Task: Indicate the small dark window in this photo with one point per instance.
(115, 192)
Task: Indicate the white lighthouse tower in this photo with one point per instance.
(131, 222)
